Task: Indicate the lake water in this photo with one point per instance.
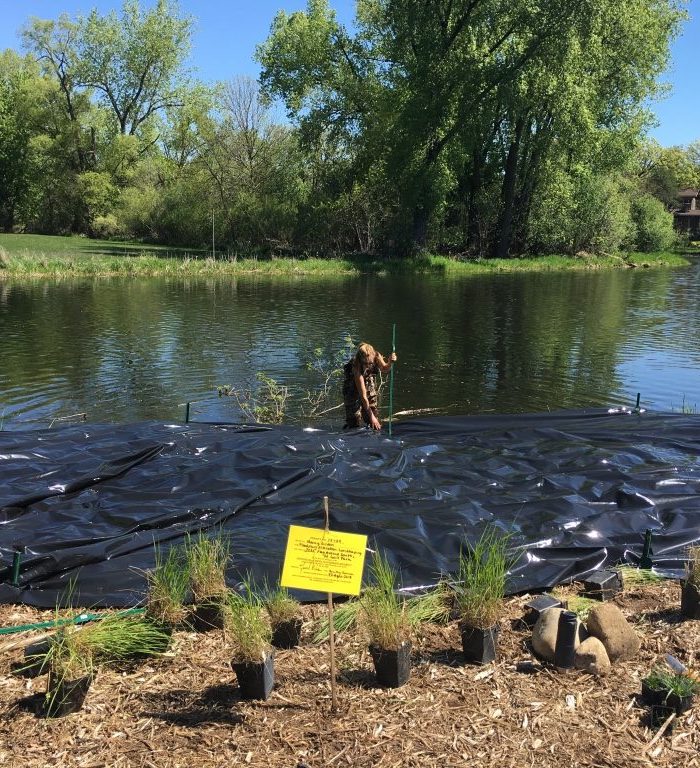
(127, 350)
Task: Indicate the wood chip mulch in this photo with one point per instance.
(184, 711)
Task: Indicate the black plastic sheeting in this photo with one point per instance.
(576, 491)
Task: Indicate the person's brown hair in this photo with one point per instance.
(365, 356)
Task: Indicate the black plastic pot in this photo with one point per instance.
(652, 696)
(65, 696)
(393, 668)
(537, 606)
(602, 585)
(256, 680)
(565, 648)
(664, 698)
(207, 615)
(479, 645)
(659, 714)
(690, 600)
(680, 703)
(35, 662)
(286, 634)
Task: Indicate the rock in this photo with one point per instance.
(592, 657)
(607, 623)
(544, 633)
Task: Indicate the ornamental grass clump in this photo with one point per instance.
(432, 607)
(67, 657)
(671, 683)
(384, 612)
(168, 584)
(71, 666)
(207, 559)
(280, 606)
(248, 628)
(481, 579)
(284, 612)
(344, 618)
(120, 637)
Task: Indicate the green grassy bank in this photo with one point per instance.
(47, 256)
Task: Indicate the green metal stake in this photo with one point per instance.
(391, 377)
(187, 413)
(637, 406)
(16, 559)
(645, 559)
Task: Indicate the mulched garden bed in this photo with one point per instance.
(183, 711)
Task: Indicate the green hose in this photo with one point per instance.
(80, 619)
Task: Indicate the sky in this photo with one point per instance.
(227, 31)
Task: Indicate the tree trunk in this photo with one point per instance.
(510, 180)
(419, 233)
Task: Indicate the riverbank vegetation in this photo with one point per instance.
(471, 129)
(36, 256)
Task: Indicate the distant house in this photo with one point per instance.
(686, 218)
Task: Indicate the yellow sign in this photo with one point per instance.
(324, 561)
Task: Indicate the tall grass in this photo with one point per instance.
(248, 627)
(383, 610)
(433, 606)
(481, 578)
(27, 256)
(75, 653)
(207, 558)
(168, 584)
(120, 638)
(280, 605)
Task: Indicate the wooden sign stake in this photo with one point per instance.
(331, 628)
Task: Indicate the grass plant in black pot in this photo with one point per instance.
(385, 617)
(479, 591)
(71, 668)
(664, 688)
(168, 585)
(122, 637)
(249, 632)
(690, 586)
(74, 654)
(285, 617)
(207, 560)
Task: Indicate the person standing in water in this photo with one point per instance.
(360, 386)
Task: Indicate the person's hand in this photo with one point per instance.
(375, 423)
(393, 357)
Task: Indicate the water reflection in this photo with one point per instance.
(129, 350)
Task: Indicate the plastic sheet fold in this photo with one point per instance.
(86, 505)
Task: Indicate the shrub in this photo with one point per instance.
(653, 223)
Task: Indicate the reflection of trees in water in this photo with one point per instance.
(134, 349)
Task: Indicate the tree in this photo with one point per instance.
(16, 124)
(451, 97)
(134, 62)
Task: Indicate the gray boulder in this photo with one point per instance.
(608, 624)
(592, 657)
